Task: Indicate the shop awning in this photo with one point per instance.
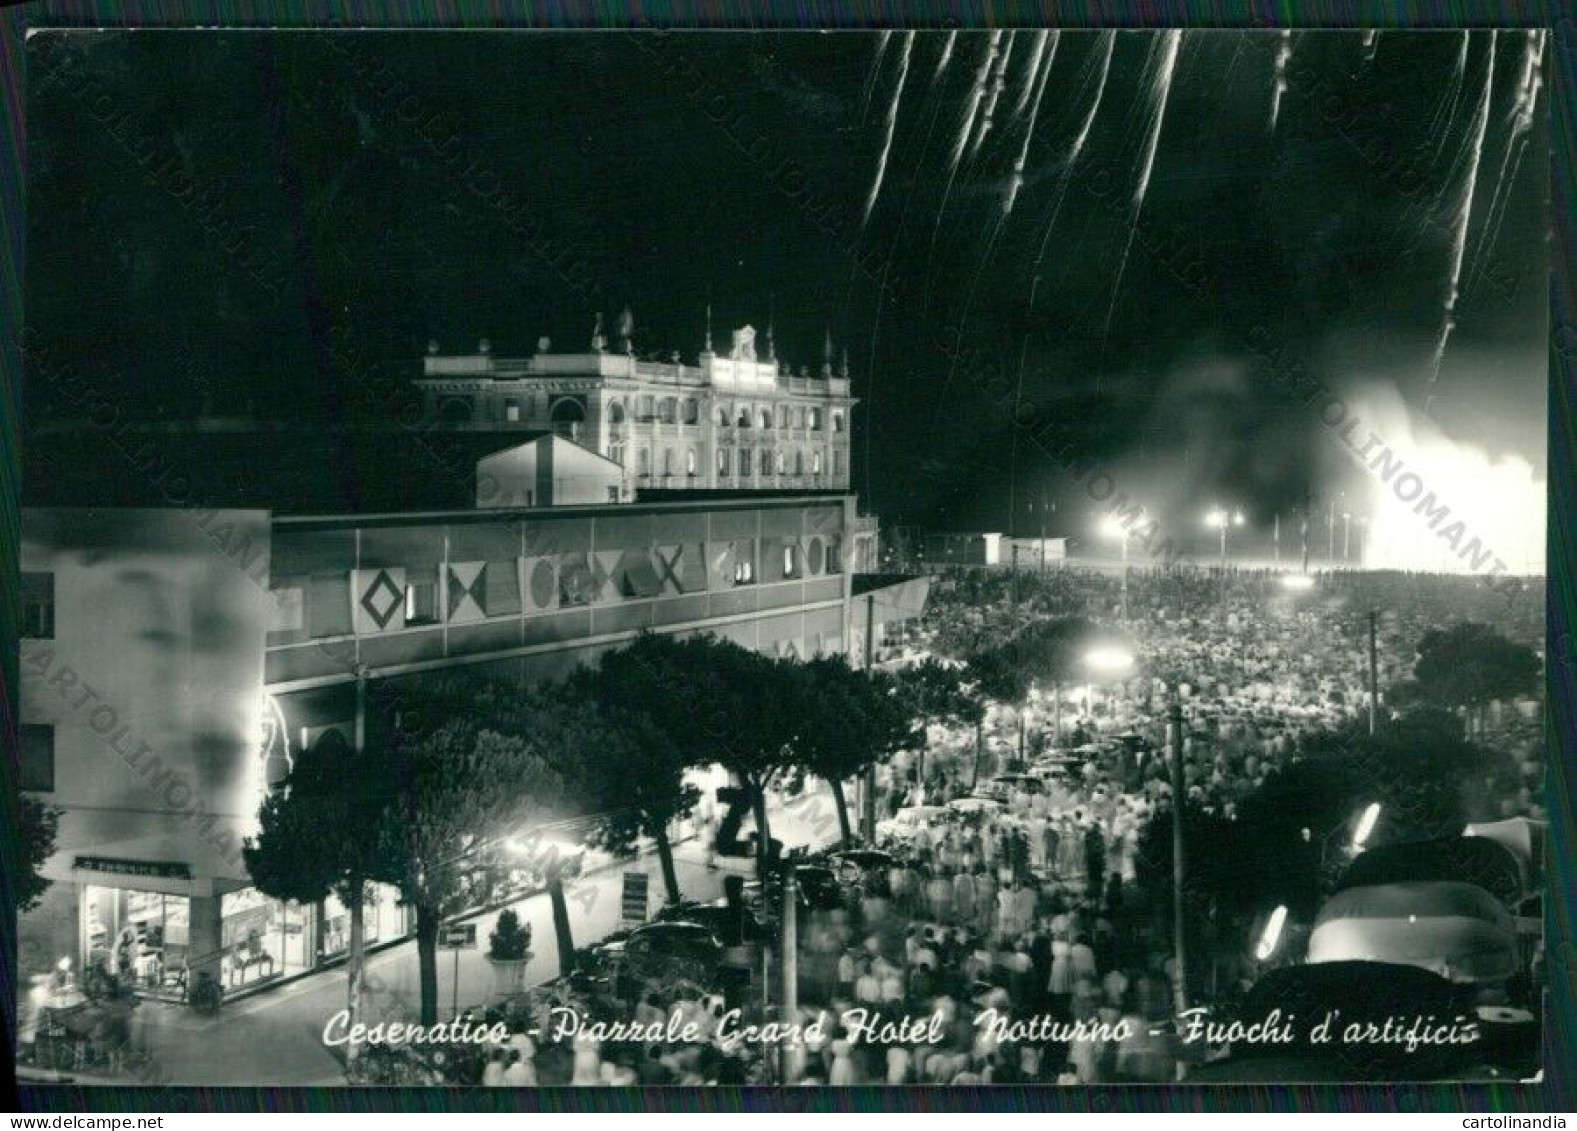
(894, 596)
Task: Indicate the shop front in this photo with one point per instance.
(145, 938)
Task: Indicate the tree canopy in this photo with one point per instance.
(1470, 664)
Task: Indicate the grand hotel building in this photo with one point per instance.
(220, 640)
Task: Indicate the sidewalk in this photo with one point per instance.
(275, 1037)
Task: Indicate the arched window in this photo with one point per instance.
(616, 412)
(764, 418)
(690, 411)
(744, 416)
(724, 417)
(567, 417)
(690, 465)
(722, 461)
(837, 421)
(766, 461)
(815, 463)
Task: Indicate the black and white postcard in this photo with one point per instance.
(698, 558)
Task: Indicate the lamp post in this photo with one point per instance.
(1113, 527)
(1220, 520)
(1174, 732)
(1346, 535)
(1330, 526)
(1275, 537)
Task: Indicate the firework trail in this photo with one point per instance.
(876, 69)
(946, 57)
(892, 125)
(1163, 89)
(1032, 70)
(1464, 215)
(1017, 182)
(972, 104)
(998, 83)
(1078, 146)
(1529, 83)
(972, 100)
(1283, 56)
(1371, 44)
(1446, 112)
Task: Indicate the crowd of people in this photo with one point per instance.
(1034, 908)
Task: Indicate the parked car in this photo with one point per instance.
(668, 950)
(906, 822)
(716, 917)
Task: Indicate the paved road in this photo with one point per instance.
(275, 1038)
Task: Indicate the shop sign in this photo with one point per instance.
(164, 869)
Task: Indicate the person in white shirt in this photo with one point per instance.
(521, 1073)
(493, 1074)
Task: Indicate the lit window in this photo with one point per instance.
(791, 560)
(722, 461)
(691, 411)
(421, 593)
(668, 461)
(764, 418)
(837, 422)
(815, 420)
(815, 463)
(690, 465)
(512, 410)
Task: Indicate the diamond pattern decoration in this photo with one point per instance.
(380, 599)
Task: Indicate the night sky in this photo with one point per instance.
(205, 210)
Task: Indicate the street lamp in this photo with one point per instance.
(1272, 934)
(1113, 527)
(1346, 535)
(1330, 526)
(1365, 827)
(1107, 661)
(1219, 519)
(1297, 582)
